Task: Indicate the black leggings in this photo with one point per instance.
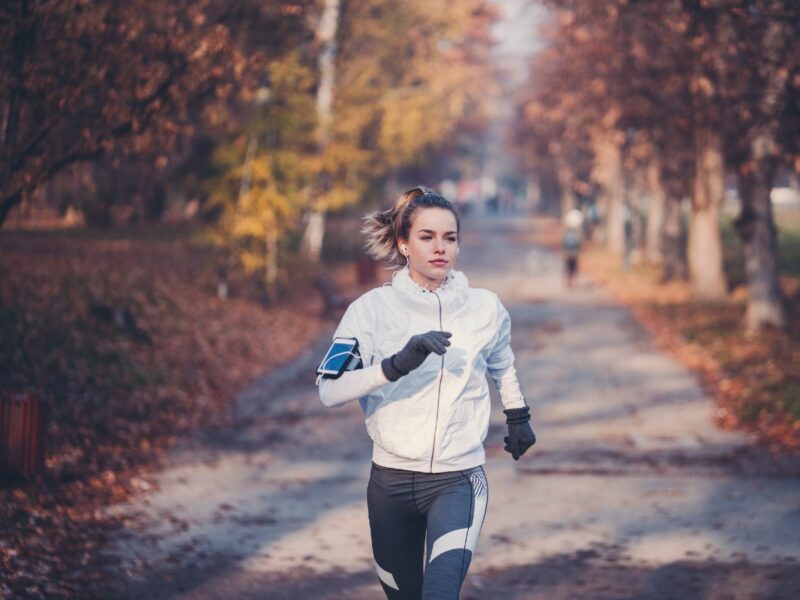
(404, 506)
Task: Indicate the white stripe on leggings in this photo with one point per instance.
(454, 540)
(386, 577)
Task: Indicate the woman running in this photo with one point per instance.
(425, 341)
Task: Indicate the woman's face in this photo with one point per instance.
(431, 246)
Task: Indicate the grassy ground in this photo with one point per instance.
(756, 380)
(120, 396)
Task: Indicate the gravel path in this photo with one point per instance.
(630, 492)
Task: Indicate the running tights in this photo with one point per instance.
(403, 507)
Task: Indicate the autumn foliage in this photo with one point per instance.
(82, 80)
(642, 108)
(118, 394)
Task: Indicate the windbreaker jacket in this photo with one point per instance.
(435, 418)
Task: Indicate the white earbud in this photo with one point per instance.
(405, 250)
(458, 250)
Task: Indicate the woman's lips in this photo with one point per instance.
(438, 263)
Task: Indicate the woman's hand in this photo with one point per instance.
(520, 434)
(414, 353)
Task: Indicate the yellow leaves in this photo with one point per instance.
(248, 226)
(252, 262)
(341, 196)
(408, 76)
(290, 76)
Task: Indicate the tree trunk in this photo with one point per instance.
(314, 234)
(655, 214)
(327, 69)
(20, 45)
(756, 228)
(271, 271)
(608, 173)
(568, 201)
(635, 192)
(7, 204)
(615, 224)
(674, 266)
(756, 225)
(326, 31)
(704, 249)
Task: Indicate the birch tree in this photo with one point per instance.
(326, 34)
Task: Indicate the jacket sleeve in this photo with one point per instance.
(353, 384)
(500, 363)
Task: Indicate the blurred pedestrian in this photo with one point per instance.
(425, 341)
(629, 241)
(571, 244)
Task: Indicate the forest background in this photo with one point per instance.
(174, 176)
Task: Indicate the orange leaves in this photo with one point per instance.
(702, 85)
(755, 381)
(125, 75)
(117, 403)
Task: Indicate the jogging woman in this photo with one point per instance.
(426, 341)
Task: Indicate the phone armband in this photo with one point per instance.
(343, 355)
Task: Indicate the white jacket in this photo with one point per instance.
(435, 418)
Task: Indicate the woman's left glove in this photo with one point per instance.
(520, 434)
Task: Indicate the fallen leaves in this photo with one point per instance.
(117, 403)
(755, 380)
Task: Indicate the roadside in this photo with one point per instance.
(631, 490)
(122, 333)
(754, 380)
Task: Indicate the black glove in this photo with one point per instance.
(520, 435)
(414, 353)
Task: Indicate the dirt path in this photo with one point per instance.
(631, 492)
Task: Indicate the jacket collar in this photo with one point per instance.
(452, 293)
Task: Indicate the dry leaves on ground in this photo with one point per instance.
(755, 381)
(119, 394)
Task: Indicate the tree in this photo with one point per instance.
(768, 57)
(259, 199)
(718, 74)
(326, 32)
(410, 76)
(81, 80)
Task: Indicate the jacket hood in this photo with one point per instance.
(453, 293)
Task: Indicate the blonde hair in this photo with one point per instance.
(383, 229)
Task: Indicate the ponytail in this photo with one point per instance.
(382, 229)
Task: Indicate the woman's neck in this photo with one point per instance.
(425, 282)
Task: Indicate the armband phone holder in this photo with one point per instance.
(342, 356)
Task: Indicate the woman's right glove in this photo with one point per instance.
(414, 353)
(520, 434)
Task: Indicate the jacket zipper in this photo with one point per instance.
(439, 392)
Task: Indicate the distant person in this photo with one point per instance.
(628, 229)
(571, 244)
(425, 342)
(493, 204)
